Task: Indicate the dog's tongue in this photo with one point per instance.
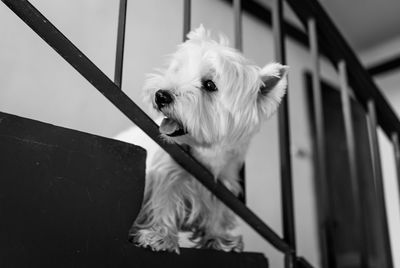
(169, 126)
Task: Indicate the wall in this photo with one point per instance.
(37, 83)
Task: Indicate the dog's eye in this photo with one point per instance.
(209, 85)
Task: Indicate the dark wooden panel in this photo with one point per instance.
(67, 199)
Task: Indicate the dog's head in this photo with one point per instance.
(211, 95)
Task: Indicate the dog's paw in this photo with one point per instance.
(156, 239)
(225, 243)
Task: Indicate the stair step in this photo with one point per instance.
(68, 199)
(194, 258)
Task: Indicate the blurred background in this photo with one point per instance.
(35, 82)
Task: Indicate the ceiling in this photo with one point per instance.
(364, 23)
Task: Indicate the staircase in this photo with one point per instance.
(68, 199)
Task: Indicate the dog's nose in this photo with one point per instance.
(163, 98)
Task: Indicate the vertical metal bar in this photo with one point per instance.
(237, 10)
(317, 99)
(320, 159)
(396, 148)
(242, 176)
(284, 143)
(351, 152)
(378, 179)
(277, 24)
(237, 7)
(186, 18)
(119, 59)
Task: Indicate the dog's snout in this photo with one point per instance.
(163, 98)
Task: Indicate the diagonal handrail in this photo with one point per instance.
(65, 48)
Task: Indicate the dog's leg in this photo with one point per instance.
(219, 223)
(156, 226)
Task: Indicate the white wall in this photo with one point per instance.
(37, 83)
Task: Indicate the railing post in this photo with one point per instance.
(186, 18)
(396, 149)
(378, 179)
(119, 59)
(351, 153)
(320, 159)
(237, 11)
(284, 142)
(237, 7)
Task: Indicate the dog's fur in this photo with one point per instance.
(218, 127)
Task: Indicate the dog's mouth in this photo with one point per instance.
(172, 128)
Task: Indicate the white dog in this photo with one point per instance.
(214, 101)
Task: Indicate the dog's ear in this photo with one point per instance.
(200, 33)
(273, 88)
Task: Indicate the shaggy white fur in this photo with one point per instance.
(213, 100)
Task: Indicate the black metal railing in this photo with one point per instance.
(351, 154)
(324, 207)
(323, 38)
(119, 58)
(353, 74)
(288, 221)
(65, 48)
